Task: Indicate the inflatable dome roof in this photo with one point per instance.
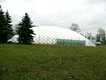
(54, 34)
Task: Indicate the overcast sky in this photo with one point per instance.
(89, 14)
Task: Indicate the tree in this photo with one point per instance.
(16, 26)
(88, 35)
(101, 36)
(3, 29)
(75, 27)
(24, 31)
(5, 26)
(9, 25)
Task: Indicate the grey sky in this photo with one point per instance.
(89, 14)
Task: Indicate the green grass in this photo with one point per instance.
(51, 62)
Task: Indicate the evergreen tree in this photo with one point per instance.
(5, 26)
(3, 29)
(24, 31)
(9, 25)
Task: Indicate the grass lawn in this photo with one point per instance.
(51, 62)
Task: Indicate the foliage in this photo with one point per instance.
(75, 27)
(9, 25)
(16, 29)
(5, 26)
(89, 36)
(3, 29)
(24, 31)
(101, 36)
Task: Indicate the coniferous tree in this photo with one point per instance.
(3, 29)
(8, 25)
(24, 31)
(5, 26)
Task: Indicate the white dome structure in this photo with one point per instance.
(56, 35)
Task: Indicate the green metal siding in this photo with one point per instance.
(70, 42)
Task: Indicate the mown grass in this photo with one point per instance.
(51, 62)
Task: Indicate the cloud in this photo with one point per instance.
(89, 14)
(96, 1)
(1, 1)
